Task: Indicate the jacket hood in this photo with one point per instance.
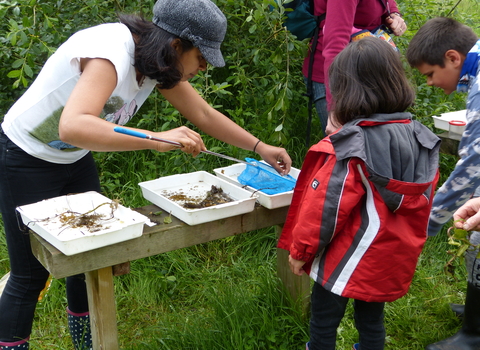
(401, 158)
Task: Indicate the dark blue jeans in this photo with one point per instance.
(23, 180)
(320, 101)
(328, 310)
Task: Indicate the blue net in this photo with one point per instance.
(265, 178)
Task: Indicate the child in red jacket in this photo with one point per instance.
(350, 222)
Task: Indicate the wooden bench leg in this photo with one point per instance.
(101, 302)
(297, 286)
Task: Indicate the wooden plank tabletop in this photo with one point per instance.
(157, 239)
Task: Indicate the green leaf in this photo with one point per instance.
(3, 11)
(13, 39)
(26, 22)
(14, 73)
(463, 248)
(13, 24)
(460, 233)
(18, 63)
(28, 71)
(279, 104)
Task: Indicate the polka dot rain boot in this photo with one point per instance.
(18, 345)
(79, 326)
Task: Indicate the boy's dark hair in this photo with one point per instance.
(155, 57)
(435, 38)
(367, 77)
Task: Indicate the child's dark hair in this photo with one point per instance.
(436, 37)
(367, 77)
(155, 57)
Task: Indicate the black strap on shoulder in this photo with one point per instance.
(386, 5)
(309, 93)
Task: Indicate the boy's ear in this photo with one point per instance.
(454, 57)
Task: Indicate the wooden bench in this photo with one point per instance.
(99, 264)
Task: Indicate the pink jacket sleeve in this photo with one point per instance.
(341, 16)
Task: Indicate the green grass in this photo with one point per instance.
(225, 295)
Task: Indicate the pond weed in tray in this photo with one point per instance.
(172, 192)
(80, 222)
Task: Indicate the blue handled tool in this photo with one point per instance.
(178, 144)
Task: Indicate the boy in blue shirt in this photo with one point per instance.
(448, 53)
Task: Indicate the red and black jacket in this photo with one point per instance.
(361, 206)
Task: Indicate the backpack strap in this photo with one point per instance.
(386, 5)
(309, 93)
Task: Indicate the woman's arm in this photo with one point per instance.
(188, 102)
(81, 126)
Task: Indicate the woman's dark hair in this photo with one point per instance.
(155, 57)
(367, 77)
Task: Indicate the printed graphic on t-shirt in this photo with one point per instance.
(123, 115)
(47, 132)
(115, 111)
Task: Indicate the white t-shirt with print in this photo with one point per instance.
(32, 122)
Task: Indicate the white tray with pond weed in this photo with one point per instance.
(269, 201)
(185, 196)
(80, 222)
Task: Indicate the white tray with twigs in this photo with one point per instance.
(187, 197)
(81, 222)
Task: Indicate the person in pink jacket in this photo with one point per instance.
(341, 17)
(350, 225)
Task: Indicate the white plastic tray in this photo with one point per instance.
(442, 121)
(45, 218)
(195, 187)
(273, 201)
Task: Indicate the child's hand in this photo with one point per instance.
(467, 217)
(296, 266)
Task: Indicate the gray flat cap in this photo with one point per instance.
(199, 21)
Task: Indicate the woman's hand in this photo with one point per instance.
(467, 216)
(396, 23)
(191, 105)
(296, 266)
(192, 141)
(275, 156)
